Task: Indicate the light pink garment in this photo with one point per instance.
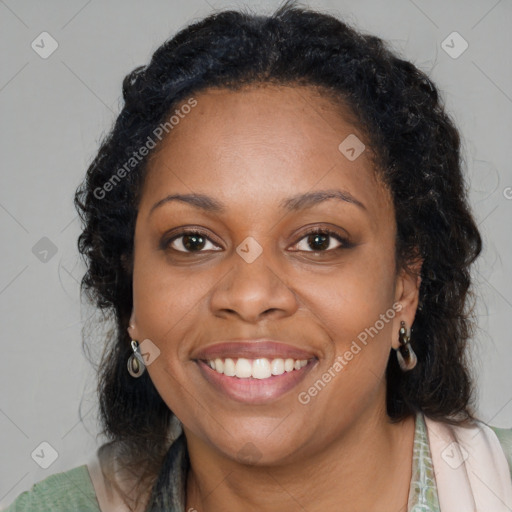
(471, 471)
(108, 498)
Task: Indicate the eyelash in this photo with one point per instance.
(345, 244)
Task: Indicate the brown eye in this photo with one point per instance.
(322, 240)
(189, 242)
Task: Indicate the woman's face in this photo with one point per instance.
(254, 289)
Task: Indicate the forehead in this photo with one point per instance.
(260, 144)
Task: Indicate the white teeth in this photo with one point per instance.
(219, 365)
(277, 366)
(261, 368)
(243, 368)
(229, 367)
(288, 365)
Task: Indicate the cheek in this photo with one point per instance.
(355, 307)
(167, 305)
(163, 297)
(353, 296)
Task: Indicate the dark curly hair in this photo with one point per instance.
(417, 155)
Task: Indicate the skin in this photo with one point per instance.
(339, 451)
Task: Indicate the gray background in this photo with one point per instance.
(53, 113)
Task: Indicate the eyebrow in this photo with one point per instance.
(298, 202)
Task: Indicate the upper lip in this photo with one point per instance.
(252, 349)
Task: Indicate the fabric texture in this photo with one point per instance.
(422, 491)
(505, 438)
(471, 469)
(74, 491)
(69, 491)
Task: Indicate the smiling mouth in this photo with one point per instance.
(260, 368)
(251, 381)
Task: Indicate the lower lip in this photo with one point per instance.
(255, 391)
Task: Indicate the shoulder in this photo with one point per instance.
(493, 438)
(60, 492)
(491, 446)
(504, 436)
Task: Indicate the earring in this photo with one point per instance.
(136, 366)
(405, 354)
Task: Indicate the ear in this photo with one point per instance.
(132, 327)
(407, 293)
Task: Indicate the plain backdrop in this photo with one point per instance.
(54, 111)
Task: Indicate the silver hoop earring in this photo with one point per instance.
(405, 354)
(136, 366)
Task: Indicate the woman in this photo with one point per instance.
(278, 224)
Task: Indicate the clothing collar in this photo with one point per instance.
(454, 469)
(422, 491)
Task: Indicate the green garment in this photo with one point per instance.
(69, 491)
(73, 491)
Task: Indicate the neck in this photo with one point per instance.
(367, 468)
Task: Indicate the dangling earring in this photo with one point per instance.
(405, 354)
(136, 366)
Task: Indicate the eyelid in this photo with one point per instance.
(329, 232)
(167, 240)
(344, 241)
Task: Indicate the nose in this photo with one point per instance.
(253, 290)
